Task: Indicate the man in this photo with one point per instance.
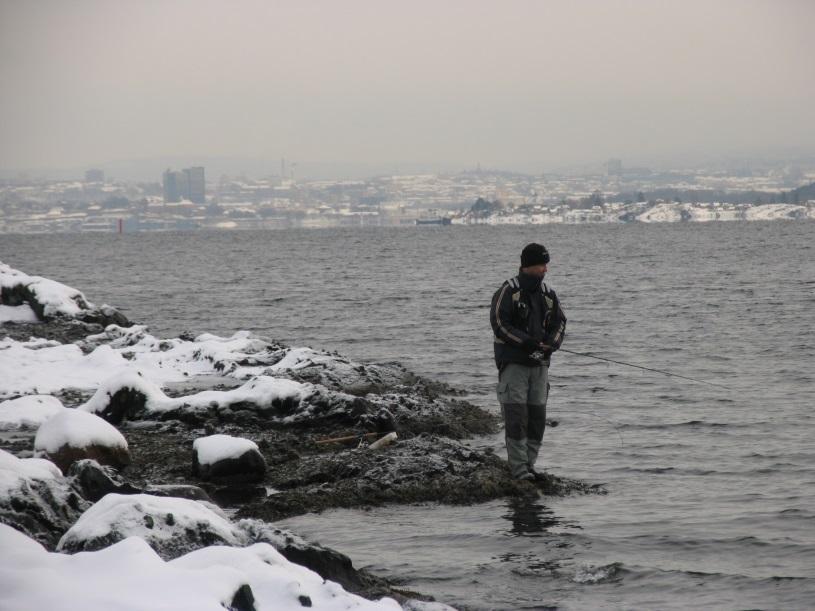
(529, 325)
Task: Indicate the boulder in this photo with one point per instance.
(328, 563)
(74, 435)
(129, 576)
(28, 412)
(182, 491)
(36, 499)
(95, 481)
(171, 526)
(227, 459)
(50, 299)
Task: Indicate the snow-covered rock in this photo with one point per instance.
(75, 435)
(129, 576)
(36, 498)
(28, 412)
(171, 526)
(130, 395)
(227, 458)
(48, 298)
(329, 563)
(336, 372)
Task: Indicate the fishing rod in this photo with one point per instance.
(667, 373)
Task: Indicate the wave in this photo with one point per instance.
(691, 424)
(608, 573)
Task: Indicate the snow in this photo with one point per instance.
(77, 429)
(297, 358)
(262, 391)
(56, 297)
(211, 449)
(37, 367)
(22, 313)
(28, 412)
(133, 379)
(662, 213)
(773, 212)
(130, 576)
(15, 472)
(125, 514)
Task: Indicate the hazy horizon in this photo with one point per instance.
(525, 86)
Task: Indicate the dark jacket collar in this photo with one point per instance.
(529, 283)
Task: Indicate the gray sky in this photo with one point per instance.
(525, 85)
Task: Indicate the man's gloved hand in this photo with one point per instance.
(541, 352)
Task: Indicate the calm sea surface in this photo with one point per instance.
(711, 498)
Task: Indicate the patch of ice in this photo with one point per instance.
(78, 429)
(211, 449)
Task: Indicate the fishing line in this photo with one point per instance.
(667, 373)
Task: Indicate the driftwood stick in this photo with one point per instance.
(348, 438)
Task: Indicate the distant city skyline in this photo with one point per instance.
(365, 87)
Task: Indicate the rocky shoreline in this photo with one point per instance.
(247, 428)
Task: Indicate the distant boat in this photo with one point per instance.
(435, 221)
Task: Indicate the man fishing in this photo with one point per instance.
(528, 324)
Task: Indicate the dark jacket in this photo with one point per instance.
(525, 312)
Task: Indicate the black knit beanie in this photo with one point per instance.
(534, 254)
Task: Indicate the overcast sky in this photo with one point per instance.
(524, 85)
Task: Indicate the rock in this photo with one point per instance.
(427, 468)
(230, 459)
(130, 576)
(50, 299)
(74, 435)
(171, 526)
(328, 563)
(181, 491)
(36, 499)
(243, 600)
(29, 412)
(95, 481)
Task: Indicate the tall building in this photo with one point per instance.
(189, 184)
(196, 187)
(614, 167)
(170, 180)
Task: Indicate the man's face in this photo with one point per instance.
(537, 270)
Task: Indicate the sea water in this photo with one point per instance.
(711, 491)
